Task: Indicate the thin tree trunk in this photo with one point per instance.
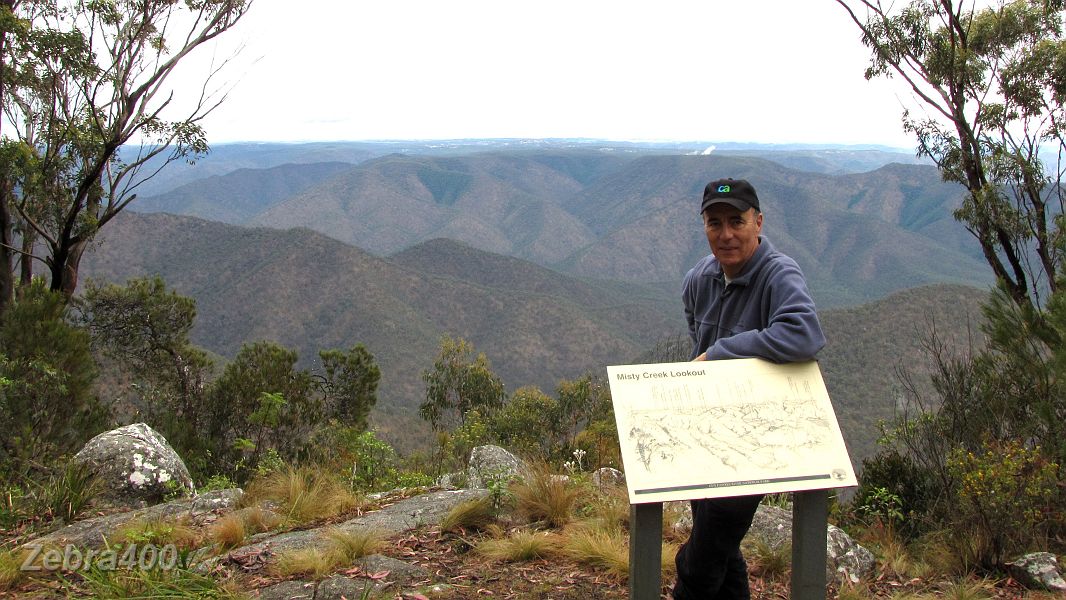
(7, 276)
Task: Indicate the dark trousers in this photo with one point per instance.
(710, 565)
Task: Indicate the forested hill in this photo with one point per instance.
(609, 215)
(537, 326)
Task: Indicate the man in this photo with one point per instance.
(745, 300)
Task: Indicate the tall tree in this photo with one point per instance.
(990, 83)
(458, 383)
(80, 80)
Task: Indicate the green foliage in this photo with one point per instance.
(145, 328)
(262, 398)
(47, 407)
(371, 463)
(458, 383)
(582, 402)
(893, 492)
(528, 424)
(350, 384)
(989, 442)
(81, 80)
(991, 83)
(1006, 497)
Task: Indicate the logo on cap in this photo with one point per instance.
(723, 189)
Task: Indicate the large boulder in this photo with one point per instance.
(136, 466)
(490, 464)
(1039, 570)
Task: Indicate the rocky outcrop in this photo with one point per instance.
(845, 558)
(491, 463)
(1039, 570)
(608, 477)
(136, 466)
(96, 532)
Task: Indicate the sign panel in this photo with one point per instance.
(726, 428)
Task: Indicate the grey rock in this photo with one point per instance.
(607, 477)
(92, 533)
(407, 514)
(491, 463)
(451, 481)
(398, 572)
(346, 588)
(136, 466)
(288, 590)
(1038, 570)
(845, 558)
(216, 500)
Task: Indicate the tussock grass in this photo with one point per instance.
(304, 494)
(669, 567)
(345, 546)
(603, 549)
(608, 509)
(849, 591)
(767, 560)
(159, 532)
(967, 590)
(232, 529)
(229, 531)
(546, 497)
(10, 573)
(520, 546)
(341, 549)
(305, 562)
(471, 514)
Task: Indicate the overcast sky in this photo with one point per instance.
(771, 71)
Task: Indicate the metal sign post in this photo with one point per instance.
(809, 529)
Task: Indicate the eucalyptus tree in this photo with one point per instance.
(988, 84)
(82, 79)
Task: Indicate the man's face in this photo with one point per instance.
(733, 235)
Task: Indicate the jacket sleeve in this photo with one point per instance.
(792, 332)
(688, 297)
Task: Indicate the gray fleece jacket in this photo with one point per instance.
(765, 312)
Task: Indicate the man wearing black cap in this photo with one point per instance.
(744, 300)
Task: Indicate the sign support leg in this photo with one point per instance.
(645, 551)
(810, 514)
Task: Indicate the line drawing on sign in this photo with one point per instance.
(735, 426)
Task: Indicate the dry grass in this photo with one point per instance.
(10, 572)
(305, 562)
(231, 530)
(604, 549)
(520, 546)
(159, 532)
(546, 497)
(609, 508)
(471, 514)
(967, 590)
(345, 546)
(768, 561)
(341, 549)
(304, 494)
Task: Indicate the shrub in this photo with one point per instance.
(47, 407)
(1005, 497)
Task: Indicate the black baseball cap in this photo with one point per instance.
(737, 193)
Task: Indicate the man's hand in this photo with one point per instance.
(700, 357)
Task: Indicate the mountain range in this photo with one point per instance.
(630, 217)
(553, 258)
